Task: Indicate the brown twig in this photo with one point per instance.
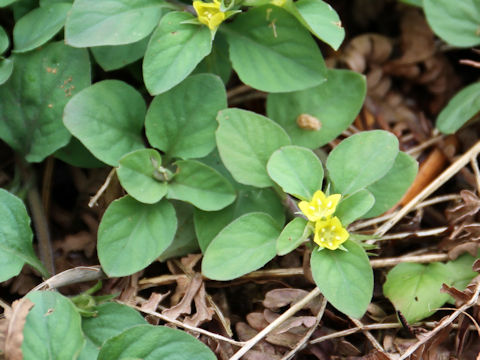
(369, 336)
(102, 189)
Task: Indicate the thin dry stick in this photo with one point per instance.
(302, 342)
(355, 330)
(420, 233)
(476, 170)
(185, 326)
(286, 315)
(424, 145)
(370, 337)
(443, 324)
(428, 190)
(102, 189)
(238, 90)
(424, 258)
(72, 276)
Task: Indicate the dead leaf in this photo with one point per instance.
(203, 312)
(185, 305)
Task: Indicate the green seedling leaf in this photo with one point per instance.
(185, 241)
(116, 57)
(245, 141)
(460, 109)
(200, 185)
(4, 41)
(50, 2)
(345, 278)
(414, 289)
(174, 50)
(271, 51)
(334, 112)
(39, 26)
(390, 188)
(243, 246)
(107, 118)
(217, 62)
(292, 236)
(361, 159)
(132, 235)
(322, 20)
(249, 199)
(150, 342)
(32, 101)
(111, 22)
(77, 155)
(460, 271)
(6, 69)
(4, 3)
(181, 122)
(354, 206)
(53, 328)
(137, 175)
(455, 22)
(15, 238)
(297, 170)
(111, 320)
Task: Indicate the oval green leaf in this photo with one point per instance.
(137, 175)
(461, 108)
(456, 22)
(6, 70)
(33, 99)
(292, 236)
(245, 141)
(174, 51)
(132, 235)
(111, 22)
(15, 238)
(201, 186)
(414, 289)
(107, 118)
(53, 328)
(77, 155)
(335, 103)
(243, 246)
(116, 57)
(361, 159)
(217, 62)
(345, 278)
(148, 342)
(39, 26)
(297, 170)
(354, 206)
(181, 122)
(271, 51)
(4, 41)
(390, 188)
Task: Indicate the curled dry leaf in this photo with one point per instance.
(184, 306)
(469, 207)
(278, 298)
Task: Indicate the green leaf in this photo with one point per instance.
(249, 199)
(137, 175)
(6, 70)
(460, 271)
(292, 236)
(361, 159)
(53, 328)
(200, 185)
(418, 3)
(15, 238)
(245, 142)
(271, 51)
(4, 3)
(354, 206)
(77, 155)
(181, 122)
(345, 278)
(132, 235)
(4, 41)
(111, 22)
(414, 289)
(456, 22)
(32, 100)
(390, 188)
(107, 118)
(174, 51)
(243, 246)
(50, 2)
(335, 103)
(115, 57)
(150, 342)
(323, 21)
(111, 320)
(217, 62)
(39, 26)
(461, 108)
(297, 170)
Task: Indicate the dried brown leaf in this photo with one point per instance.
(257, 320)
(203, 312)
(185, 305)
(469, 207)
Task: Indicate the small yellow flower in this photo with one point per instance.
(320, 207)
(278, 3)
(330, 233)
(209, 13)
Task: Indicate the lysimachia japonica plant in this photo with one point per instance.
(207, 177)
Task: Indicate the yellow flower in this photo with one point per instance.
(320, 207)
(209, 13)
(278, 3)
(330, 233)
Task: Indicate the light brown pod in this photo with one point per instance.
(308, 122)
